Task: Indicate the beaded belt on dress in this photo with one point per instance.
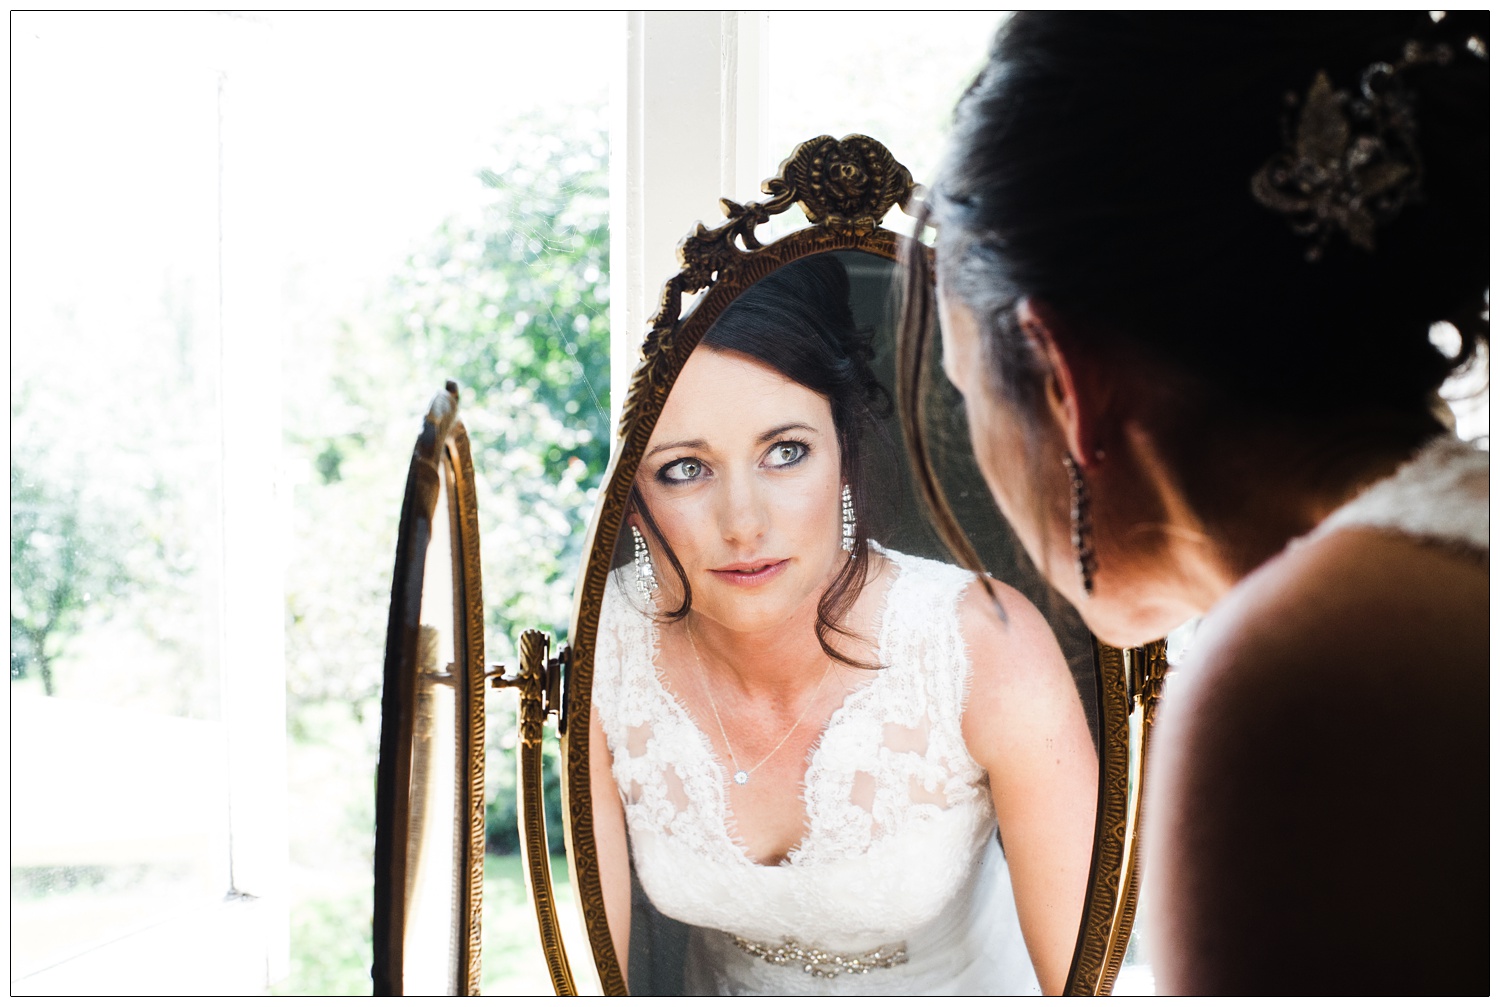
(825, 964)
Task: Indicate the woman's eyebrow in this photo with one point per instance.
(697, 445)
(771, 435)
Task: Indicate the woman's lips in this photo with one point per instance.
(752, 574)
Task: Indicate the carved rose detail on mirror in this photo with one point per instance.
(848, 185)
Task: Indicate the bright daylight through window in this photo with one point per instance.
(252, 248)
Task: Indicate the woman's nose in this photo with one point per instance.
(743, 515)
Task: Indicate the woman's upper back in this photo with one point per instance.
(1323, 758)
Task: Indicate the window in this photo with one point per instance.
(148, 850)
(250, 248)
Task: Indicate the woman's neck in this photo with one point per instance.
(1232, 509)
(775, 660)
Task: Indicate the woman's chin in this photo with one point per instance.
(1122, 618)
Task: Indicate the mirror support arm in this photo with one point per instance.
(538, 680)
(1146, 669)
(1109, 913)
(1090, 974)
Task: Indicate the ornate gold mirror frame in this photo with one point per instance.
(845, 188)
(429, 801)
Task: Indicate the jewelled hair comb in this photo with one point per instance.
(1351, 161)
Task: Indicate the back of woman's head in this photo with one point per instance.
(1103, 164)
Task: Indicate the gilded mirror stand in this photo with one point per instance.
(1130, 688)
(1146, 672)
(539, 683)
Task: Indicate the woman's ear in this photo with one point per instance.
(1076, 387)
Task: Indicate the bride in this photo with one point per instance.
(1202, 278)
(806, 741)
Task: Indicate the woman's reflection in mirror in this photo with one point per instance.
(809, 739)
(1188, 270)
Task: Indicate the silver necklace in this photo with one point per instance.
(742, 776)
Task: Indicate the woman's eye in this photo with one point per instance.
(787, 453)
(684, 471)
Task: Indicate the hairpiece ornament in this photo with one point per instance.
(645, 574)
(1351, 163)
(846, 513)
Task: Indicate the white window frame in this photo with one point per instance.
(689, 127)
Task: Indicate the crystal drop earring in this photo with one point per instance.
(645, 574)
(846, 542)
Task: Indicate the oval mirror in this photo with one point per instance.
(429, 802)
(802, 754)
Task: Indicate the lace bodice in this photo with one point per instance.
(1442, 496)
(900, 823)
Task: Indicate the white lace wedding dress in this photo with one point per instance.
(899, 886)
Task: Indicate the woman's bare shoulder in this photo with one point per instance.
(1003, 632)
(1352, 636)
(1319, 776)
(1007, 636)
(1351, 616)
(1022, 698)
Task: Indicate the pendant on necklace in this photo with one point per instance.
(742, 777)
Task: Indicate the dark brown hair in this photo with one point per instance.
(1101, 163)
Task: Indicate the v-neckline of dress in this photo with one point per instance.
(798, 851)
